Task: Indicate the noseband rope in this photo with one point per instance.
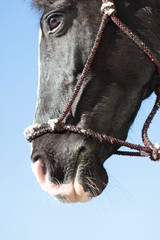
(57, 125)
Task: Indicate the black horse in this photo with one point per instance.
(67, 165)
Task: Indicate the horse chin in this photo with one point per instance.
(83, 178)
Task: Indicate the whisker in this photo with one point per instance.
(92, 186)
(57, 181)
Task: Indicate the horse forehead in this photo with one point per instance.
(42, 4)
(45, 4)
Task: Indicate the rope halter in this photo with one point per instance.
(58, 126)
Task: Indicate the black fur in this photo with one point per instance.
(120, 78)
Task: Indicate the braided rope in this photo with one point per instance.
(86, 67)
(150, 54)
(57, 125)
(137, 40)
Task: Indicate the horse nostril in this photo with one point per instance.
(39, 170)
(57, 176)
(45, 168)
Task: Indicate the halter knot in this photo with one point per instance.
(156, 152)
(55, 125)
(58, 125)
(37, 130)
(28, 132)
(108, 7)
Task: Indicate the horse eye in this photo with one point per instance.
(54, 22)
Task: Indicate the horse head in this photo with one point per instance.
(68, 165)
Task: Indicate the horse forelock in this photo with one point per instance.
(43, 4)
(39, 4)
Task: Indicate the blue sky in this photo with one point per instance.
(128, 209)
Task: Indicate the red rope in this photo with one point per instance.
(152, 57)
(143, 151)
(137, 40)
(148, 149)
(86, 68)
(58, 126)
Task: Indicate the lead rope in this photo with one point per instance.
(57, 125)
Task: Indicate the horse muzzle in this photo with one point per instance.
(67, 193)
(69, 175)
